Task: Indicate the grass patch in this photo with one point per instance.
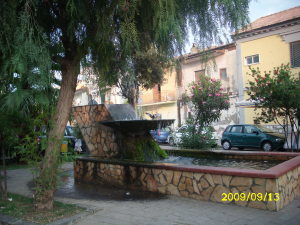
(22, 207)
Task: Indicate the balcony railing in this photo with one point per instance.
(163, 96)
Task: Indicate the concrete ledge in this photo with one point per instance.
(273, 172)
(199, 182)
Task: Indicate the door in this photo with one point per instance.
(251, 137)
(235, 135)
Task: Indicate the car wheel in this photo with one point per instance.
(226, 145)
(267, 146)
(171, 141)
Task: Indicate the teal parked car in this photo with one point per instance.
(252, 136)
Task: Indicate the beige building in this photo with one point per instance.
(87, 90)
(217, 62)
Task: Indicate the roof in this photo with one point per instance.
(219, 50)
(273, 19)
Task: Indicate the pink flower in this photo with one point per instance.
(209, 94)
(204, 102)
(221, 89)
(200, 88)
(193, 87)
(218, 94)
(213, 79)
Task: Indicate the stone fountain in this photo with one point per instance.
(114, 131)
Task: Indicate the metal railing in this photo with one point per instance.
(163, 96)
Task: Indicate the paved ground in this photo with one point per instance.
(162, 211)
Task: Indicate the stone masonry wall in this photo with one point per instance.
(200, 186)
(101, 140)
(288, 187)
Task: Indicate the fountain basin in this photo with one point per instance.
(201, 182)
(137, 126)
(113, 132)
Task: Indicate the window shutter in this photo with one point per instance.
(295, 54)
(198, 74)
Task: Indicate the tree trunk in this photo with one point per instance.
(3, 181)
(179, 112)
(46, 182)
(132, 97)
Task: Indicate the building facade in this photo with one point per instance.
(87, 90)
(162, 100)
(268, 42)
(166, 99)
(218, 63)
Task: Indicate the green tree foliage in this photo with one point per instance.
(111, 36)
(277, 97)
(26, 94)
(25, 81)
(147, 70)
(193, 139)
(154, 31)
(206, 101)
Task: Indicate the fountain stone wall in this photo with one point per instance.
(114, 131)
(101, 140)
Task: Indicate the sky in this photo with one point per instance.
(257, 9)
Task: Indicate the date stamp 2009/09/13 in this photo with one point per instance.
(250, 197)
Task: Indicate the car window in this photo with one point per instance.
(236, 129)
(69, 131)
(227, 129)
(249, 129)
(265, 129)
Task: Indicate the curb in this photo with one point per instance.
(9, 220)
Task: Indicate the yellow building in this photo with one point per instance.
(268, 42)
(162, 99)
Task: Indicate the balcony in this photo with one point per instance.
(153, 97)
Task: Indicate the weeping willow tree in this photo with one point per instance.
(26, 94)
(112, 36)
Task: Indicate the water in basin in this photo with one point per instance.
(232, 163)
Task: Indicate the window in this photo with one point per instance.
(253, 59)
(199, 73)
(249, 129)
(227, 129)
(295, 54)
(157, 93)
(223, 74)
(236, 129)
